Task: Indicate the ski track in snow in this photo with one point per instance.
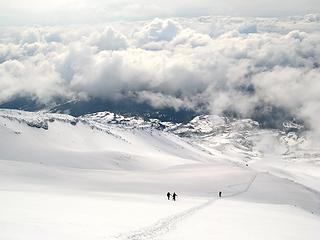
(164, 225)
(249, 184)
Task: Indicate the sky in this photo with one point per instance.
(44, 12)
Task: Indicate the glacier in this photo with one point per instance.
(105, 176)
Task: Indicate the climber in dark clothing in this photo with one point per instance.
(174, 195)
(220, 194)
(168, 195)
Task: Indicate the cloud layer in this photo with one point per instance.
(218, 63)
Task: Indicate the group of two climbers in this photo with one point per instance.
(174, 195)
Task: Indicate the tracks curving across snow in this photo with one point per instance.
(162, 226)
(166, 224)
(249, 184)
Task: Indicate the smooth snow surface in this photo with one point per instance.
(104, 176)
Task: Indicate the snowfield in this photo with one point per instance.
(105, 176)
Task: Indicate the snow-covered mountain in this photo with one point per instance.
(238, 140)
(105, 176)
(91, 143)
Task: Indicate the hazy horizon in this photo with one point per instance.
(68, 12)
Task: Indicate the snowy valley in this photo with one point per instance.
(105, 176)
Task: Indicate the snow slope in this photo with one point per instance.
(105, 176)
(287, 152)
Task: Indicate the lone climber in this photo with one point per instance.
(220, 194)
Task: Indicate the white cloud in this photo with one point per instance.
(160, 100)
(156, 33)
(223, 63)
(35, 78)
(108, 39)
